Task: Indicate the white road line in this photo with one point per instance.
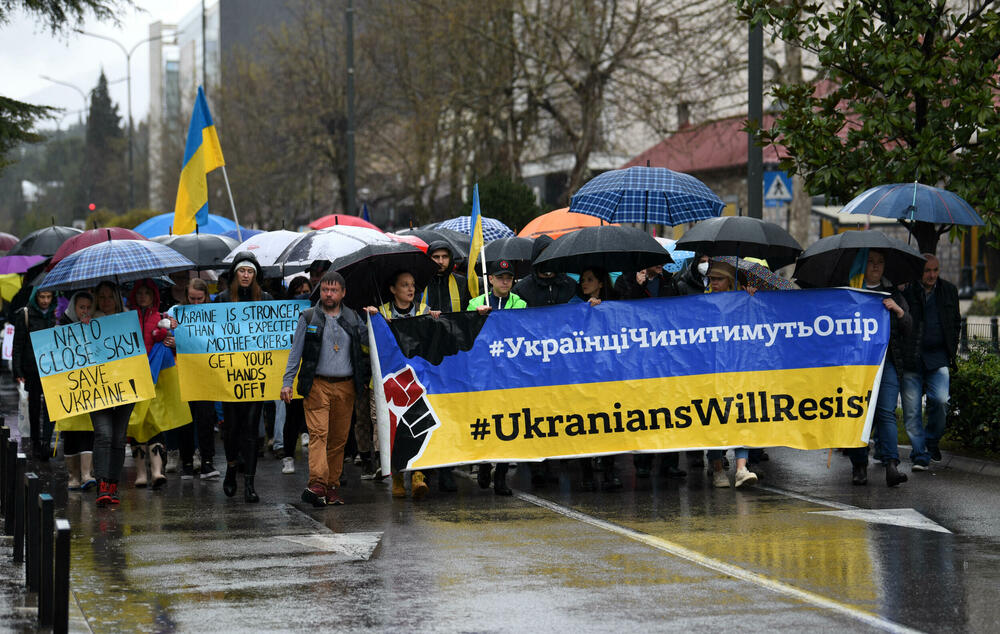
(728, 569)
(809, 498)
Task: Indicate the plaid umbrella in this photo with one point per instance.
(116, 261)
(757, 275)
(647, 195)
(493, 229)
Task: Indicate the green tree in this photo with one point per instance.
(509, 201)
(906, 92)
(18, 119)
(103, 177)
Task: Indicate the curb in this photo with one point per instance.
(964, 464)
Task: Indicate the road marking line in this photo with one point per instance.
(720, 566)
(809, 498)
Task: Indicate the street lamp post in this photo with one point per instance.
(83, 95)
(128, 76)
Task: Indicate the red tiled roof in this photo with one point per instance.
(714, 145)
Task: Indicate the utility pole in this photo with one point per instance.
(350, 184)
(755, 111)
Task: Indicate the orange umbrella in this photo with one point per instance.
(556, 223)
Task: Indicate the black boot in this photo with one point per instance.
(500, 480)
(446, 480)
(586, 474)
(229, 484)
(483, 475)
(643, 465)
(892, 475)
(537, 474)
(609, 479)
(249, 495)
(860, 475)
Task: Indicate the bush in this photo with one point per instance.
(974, 404)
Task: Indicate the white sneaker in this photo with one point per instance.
(173, 458)
(305, 442)
(720, 480)
(197, 460)
(745, 477)
(288, 465)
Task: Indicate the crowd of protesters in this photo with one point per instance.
(333, 421)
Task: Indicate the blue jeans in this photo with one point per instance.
(923, 438)
(887, 443)
(719, 454)
(279, 425)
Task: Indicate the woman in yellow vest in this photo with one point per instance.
(403, 288)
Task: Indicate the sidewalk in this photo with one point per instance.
(961, 463)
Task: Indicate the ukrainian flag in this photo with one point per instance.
(475, 242)
(202, 154)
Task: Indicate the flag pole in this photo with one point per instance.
(486, 286)
(239, 232)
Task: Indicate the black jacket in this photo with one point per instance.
(23, 361)
(688, 280)
(536, 291)
(437, 296)
(946, 298)
(628, 288)
(354, 327)
(899, 327)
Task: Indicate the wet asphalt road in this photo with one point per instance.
(661, 555)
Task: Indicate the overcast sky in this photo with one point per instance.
(28, 50)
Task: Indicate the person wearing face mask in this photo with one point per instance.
(38, 314)
(544, 287)
(693, 278)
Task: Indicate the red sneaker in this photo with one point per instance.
(113, 490)
(332, 497)
(103, 493)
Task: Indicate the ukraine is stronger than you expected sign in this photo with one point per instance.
(89, 367)
(794, 368)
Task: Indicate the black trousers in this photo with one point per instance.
(202, 427)
(239, 433)
(295, 424)
(77, 442)
(41, 426)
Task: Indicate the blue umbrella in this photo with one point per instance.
(913, 202)
(647, 195)
(115, 261)
(493, 229)
(161, 225)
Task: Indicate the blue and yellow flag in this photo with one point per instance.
(202, 154)
(475, 242)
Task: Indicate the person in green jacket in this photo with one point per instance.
(501, 279)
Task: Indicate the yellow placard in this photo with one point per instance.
(97, 387)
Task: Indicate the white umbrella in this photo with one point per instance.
(330, 244)
(266, 246)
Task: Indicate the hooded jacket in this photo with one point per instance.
(28, 320)
(244, 294)
(538, 291)
(689, 281)
(70, 316)
(148, 317)
(437, 295)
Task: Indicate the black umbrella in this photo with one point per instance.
(743, 237)
(458, 241)
(609, 247)
(367, 273)
(517, 251)
(206, 250)
(828, 262)
(45, 241)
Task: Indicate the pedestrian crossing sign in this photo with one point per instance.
(777, 189)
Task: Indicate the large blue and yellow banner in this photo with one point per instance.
(234, 351)
(797, 369)
(94, 366)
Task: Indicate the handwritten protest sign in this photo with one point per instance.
(234, 351)
(89, 367)
(8, 342)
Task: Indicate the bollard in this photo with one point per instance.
(32, 487)
(963, 338)
(10, 463)
(995, 334)
(18, 517)
(4, 437)
(46, 508)
(60, 590)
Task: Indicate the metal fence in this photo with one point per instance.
(979, 336)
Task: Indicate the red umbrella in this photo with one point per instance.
(341, 219)
(7, 241)
(88, 238)
(409, 239)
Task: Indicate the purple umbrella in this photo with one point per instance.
(18, 263)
